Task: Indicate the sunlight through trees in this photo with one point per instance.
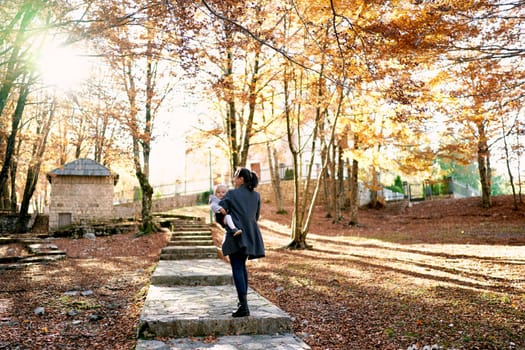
(343, 93)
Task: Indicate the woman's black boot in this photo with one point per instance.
(242, 310)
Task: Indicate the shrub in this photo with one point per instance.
(204, 197)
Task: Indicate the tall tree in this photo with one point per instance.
(15, 42)
(141, 55)
(43, 122)
(475, 116)
(232, 65)
(273, 158)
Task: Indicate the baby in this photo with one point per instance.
(221, 216)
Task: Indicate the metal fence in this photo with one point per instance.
(201, 183)
(460, 190)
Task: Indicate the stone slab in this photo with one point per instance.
(189, 238)
(188, 252)
(192, 272)
(186, 242)
(19, 262)
(241, 342)
(191, 233)
(191, 227)
(182, 311)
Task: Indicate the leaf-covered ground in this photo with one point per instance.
(441, 273)
(90, 300)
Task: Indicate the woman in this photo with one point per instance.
(243, 204)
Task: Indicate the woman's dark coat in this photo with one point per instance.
(244, 207)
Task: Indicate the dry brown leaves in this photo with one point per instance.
(443, 272)
(91, 300)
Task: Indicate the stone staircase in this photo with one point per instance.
(191, 298)
(35, 249)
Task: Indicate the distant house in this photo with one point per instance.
(81, 192)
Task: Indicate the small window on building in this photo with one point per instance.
(64, 219)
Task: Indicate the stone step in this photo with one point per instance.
(179, 217)
(189, 238)
(240, 342)
(188, 252)
(210, 272)
(181, 225)
(204, 229)
(42, 248)
(12, 263)
(191, 233)
(190, 242)
(192, 311)
(192, 227)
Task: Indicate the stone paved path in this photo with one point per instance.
(191, 297)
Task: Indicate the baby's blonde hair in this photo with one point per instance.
(220, 187)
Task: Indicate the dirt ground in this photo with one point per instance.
(444, 274)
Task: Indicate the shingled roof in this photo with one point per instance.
(81, 167)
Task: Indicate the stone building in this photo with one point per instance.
(81, 192)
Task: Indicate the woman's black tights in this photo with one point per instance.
(240, 273)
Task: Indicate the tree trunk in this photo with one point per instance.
(11, 140)
(33, 170)
(354, 194)
(325, 158)
(12, 71)
(305, 202)
(252, 104)
(4, 201)
(333, 184)
(147, 225)
(375, 202)
(507, 162)
(12, 176)
(142, 170)
(276, 180)
(231, 113)
(297, 239)
(341, 193)
(301, 220)
(518, 170)
(29, 189)
(485, 178)
(484, 167)
(273, 163)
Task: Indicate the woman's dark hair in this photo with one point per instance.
(250, 178)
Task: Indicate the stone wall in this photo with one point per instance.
(267, 195)
(81, 198)
(132, 210)
(177, 201)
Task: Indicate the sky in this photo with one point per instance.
(167, 158)
(64, 67)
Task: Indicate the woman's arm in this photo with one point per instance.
(225, 202)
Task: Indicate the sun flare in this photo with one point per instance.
(63, 67)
